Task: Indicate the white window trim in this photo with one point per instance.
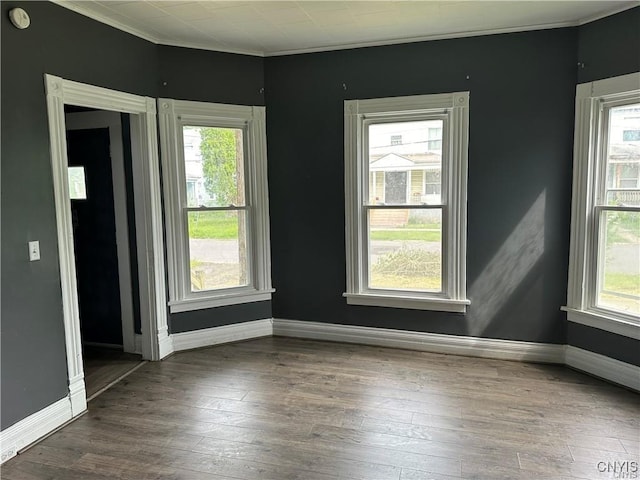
(456, 106)
(581, 288)
(173, 114)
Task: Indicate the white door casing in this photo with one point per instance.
(149, 240)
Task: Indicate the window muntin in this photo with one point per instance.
(406, 204)
(216, 201)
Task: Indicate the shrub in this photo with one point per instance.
(409, 262)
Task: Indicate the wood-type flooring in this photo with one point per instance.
(282, 408)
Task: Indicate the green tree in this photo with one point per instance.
(221, 161)
(223, 171)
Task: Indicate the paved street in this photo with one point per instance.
(214, 251)
(622, 258)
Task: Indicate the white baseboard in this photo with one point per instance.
(77, 395)
(165, 344)
(224, 334)
(426, 342)
(603, 367)
(34, 427)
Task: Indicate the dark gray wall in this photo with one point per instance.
(34, 372)
(190, 74)
(608, 47)
(520, 154)
(217, 317)
(609, 344)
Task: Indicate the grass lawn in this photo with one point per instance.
(383, 280)
(402, 234)
(214, 225)
(427, 232)
(622, 283)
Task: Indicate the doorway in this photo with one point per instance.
(155, 342)
(99, 159)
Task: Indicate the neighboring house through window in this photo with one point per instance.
(406, 202)
(214, 171)
(604, 262)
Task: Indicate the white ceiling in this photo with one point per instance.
(268, 28)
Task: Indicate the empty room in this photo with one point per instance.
(320, 240)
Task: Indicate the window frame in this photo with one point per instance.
(593, 102)
(358, 114)
(173, 116)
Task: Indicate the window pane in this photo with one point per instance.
(217, 249)
(623, 156)
(400, 154)
(77, 184)
(432, 187)
(619, 262)
(405, 249)
(435, 139)
(214, 166)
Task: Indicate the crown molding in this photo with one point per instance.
(78, 8)
(425, 38)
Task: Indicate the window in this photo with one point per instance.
(214, 171)
(77, 183)
(432, 182)
(604, 275)
(631, 136)
(406, 203)
(434, 139)
(396, 140)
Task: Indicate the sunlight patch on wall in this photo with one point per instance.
(508, 268)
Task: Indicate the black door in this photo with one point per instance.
(395, 188)
(94, 235)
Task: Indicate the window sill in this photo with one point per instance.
(405, 301)
(235, 298)
(608, 323)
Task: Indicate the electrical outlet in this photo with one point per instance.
(34, 251)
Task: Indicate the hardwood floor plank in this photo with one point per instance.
(410, 474)
(280, 409)
(104, 365)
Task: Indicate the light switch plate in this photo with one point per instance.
(34, 251)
